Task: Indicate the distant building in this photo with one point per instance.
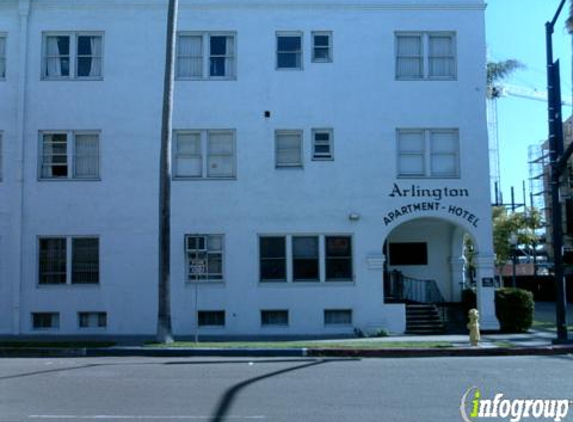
(318, 146)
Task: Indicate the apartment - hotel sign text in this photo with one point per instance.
(433, 202)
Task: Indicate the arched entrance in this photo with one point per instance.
(426, 262)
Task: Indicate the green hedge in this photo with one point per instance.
(514, 309)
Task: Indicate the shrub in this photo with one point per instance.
(514, 309)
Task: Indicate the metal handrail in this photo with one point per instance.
(401, 287)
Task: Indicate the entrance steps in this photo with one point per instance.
(423, 319)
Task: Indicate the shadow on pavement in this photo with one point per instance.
(230, 395)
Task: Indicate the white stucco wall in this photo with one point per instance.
(356, 95)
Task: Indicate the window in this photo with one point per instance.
(73, 55)
(322, 144)
(204, 257)
(338, 258)
(211, 318)
(69, 155)
(337, 317)
(305, 258)
(426, 55)
(274, 317)
(92, 319)
(322, 47)
(68, 260)
(428, 153)
(289, 50)
(204, 154)
(218, 47)
(272, 252)
(408, 253)
(288, 148)
(45, 320)
(2, 56)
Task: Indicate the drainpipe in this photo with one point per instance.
(24, 14)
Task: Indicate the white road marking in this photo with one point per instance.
(146, 417)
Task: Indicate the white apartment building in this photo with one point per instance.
(318, 146)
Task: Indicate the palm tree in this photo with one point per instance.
(164, 331)
(498, 71)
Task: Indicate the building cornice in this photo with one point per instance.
(410, 5)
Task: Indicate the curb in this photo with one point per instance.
(29, 352)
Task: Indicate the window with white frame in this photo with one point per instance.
(274, 317)
(68, 260)
(69, 155)
(338, 317)
(302, 258)
(72, 55)
(289, 50)
(92, 319)
(322, 46)
(426, 55)
(322, 144)
(288, 148)
(428, 153)
(204, 257)
(206, 55)
(45, 320)
(200, 154)
(2, 56)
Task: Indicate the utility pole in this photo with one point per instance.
(557, 161)
(164, 329)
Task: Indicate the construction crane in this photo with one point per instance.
(505, 90)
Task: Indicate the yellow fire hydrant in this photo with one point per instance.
(473, 326)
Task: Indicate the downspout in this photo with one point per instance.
(24, 14)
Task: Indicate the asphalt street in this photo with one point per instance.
(382, 390)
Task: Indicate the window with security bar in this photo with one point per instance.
(68, 260)
(322, 145)
(204, 257)
(69, 155)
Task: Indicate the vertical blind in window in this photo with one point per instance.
(444, 153)
(409, 61)
(86, 157)
(190, 56)
(441, 56)
(288, 149)
(411, 153)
